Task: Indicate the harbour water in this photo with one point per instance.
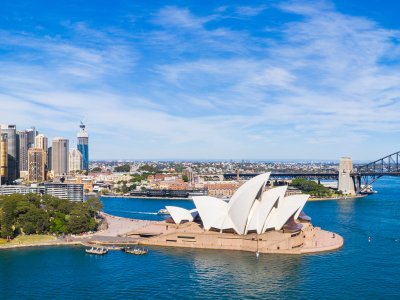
(363, 269)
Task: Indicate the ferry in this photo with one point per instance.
(163, 211)
(97, 251)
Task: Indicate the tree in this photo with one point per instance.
(29, 214)
(7, 217)
(78, 221)
(311, 187)
(185, 178)
(123, 168)
(96, 170)
(149, 169)
(94, 204)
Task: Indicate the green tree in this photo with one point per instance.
(7, 217)
(123, 168)
(149, 169)
(59, 224)
(185, 178)
(78, 221)
(94, 204)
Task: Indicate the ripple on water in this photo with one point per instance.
(361, 269)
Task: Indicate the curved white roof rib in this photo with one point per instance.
(269, 199)
(212, 211)
(242, 201)
(291, 205)
(179, 214)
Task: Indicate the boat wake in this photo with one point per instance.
(134, 212)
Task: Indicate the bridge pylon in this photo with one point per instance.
(346, 182)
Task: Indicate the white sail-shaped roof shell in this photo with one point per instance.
(290, 206)
(250, 208)
(179, 214)
(270, 198)
(242, 201)
(213, 212)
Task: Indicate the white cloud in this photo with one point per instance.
(195, 88)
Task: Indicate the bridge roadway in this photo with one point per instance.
(316, 176)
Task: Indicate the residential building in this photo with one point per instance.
(21, 189)
(36, 165)
(222, 189)
(32, 133)
(49, 158)
(72, 192)
(75, 160)
(23, 150)
(60, 147)
(12, 158)
(4, 158)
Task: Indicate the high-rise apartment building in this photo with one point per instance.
(23, 150)
(75, 160)
(49, 158)
(13, 168)
(36, 165)
(32, 133)
(60, 151)
(83, 145)
(41, 142)
(3, 157)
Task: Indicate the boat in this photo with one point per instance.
(97, 251)
(367, 190)
(136, 251)
(163, 211)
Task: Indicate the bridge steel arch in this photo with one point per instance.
(369, 173)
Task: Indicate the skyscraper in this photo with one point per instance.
(4, 158)
(83, 145)
(36, 165)
(59, 156)
(32, 133)
(23, 150)
(11, 132)
(75, 160)
(41, 142)
(49, 158)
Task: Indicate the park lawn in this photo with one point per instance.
(27, 239)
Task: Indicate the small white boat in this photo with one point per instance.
(136, 251)
(97, 251)
(163, 211)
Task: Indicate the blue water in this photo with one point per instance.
(360, 270)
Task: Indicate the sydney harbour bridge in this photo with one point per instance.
(350, 180)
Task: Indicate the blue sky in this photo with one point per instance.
(206, 79)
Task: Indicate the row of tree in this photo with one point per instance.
(311, 187)
(44, 214)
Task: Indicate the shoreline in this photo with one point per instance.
(127, 232)
(337, 198)
(122, 231)
(190, 199)
(146, 197)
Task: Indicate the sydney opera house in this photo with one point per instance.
(256, 218)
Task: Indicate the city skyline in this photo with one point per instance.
(275, 80)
